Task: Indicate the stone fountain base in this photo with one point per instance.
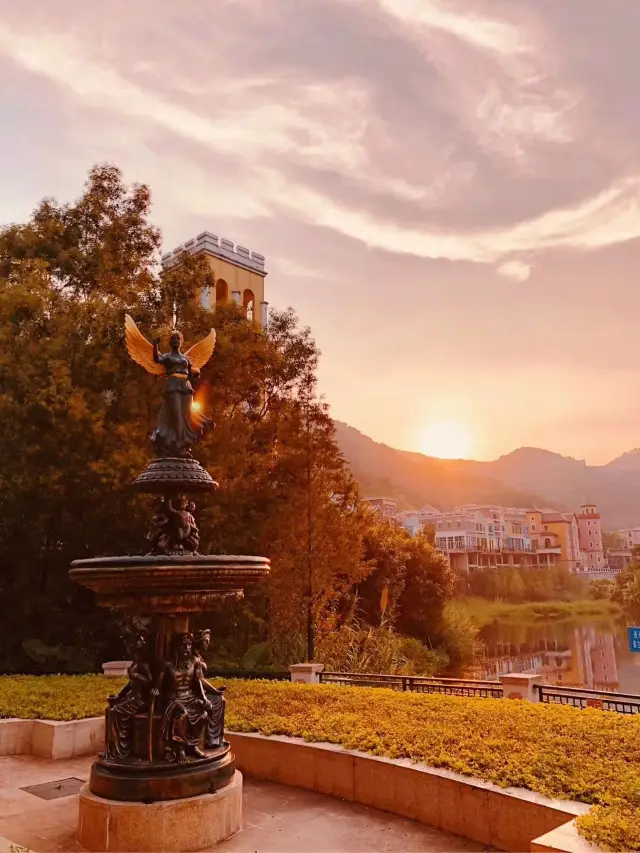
(141, 782)
(156, 740)
(194, 823)
(166, 779)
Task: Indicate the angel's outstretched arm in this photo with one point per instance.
(193, 370)
(157, 355)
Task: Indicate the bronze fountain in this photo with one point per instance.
(164, 735)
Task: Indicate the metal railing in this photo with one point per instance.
(417, 684)
(578, 697)
(575, 697)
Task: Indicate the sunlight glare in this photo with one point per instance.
(446, 440)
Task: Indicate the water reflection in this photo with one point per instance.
(569, 654)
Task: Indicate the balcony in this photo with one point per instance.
(511, 549)
(539, 547)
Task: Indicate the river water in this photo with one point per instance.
(581, 654)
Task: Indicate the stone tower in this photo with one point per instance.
(590, 534)
(239, 273)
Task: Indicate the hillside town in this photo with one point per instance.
(474, 537)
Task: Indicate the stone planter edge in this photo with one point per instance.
(509, 819)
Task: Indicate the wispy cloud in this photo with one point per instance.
(516, 270)
(499, 78)
(481, 32)
(325, 125)
(484, 133)
(317, 122)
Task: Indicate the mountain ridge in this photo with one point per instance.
(526, 476)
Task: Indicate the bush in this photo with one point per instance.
(516, 585)
(55, 697)
(353, 648)
(591, 756)
(458, 636)
(601, 589)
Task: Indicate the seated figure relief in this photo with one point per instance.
(134, 698)
(186, 708)
(215, 695)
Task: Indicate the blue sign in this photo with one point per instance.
(634, 639)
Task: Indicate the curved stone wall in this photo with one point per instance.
(510, 819)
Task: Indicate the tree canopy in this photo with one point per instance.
(75, 414)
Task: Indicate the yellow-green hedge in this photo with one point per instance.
(592, 756)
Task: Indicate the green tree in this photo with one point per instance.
(75, 413)
(385, 551)
(317, 541)
(611, 540)
(627, 589)
(65, 440)
(516, 589)
(601, 589)
(429, 585)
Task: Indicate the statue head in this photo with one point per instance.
(182, 646)
(176, 340)
(137, 646)
(203, 640)
(140, 642)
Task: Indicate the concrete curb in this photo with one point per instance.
(509, 819)
(51, 738)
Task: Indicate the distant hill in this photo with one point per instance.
(528, 476)
(415, 479)
(629, 461)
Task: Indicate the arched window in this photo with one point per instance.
(222, 290)
(547, 543)
(249, 301)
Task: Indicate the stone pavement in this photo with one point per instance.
(277, 818)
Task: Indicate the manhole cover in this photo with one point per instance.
(53, 790)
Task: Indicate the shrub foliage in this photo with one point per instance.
(591, 756)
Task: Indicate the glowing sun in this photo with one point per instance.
(446, 440)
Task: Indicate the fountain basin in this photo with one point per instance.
(168, 585)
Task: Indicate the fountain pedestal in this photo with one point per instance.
(195, 823)
(146, 733)
(166, 779)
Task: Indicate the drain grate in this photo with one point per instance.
(53, 790)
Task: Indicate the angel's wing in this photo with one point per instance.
(200, 353)
(139, 348)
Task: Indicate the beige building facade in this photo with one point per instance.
(239, 273)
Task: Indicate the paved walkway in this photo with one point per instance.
(277, 818)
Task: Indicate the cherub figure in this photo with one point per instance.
(174, 531)
(179, 425)
(158, 535)
(184, 530)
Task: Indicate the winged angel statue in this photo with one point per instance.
(180, 425)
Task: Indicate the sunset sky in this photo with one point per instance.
(447, 192)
